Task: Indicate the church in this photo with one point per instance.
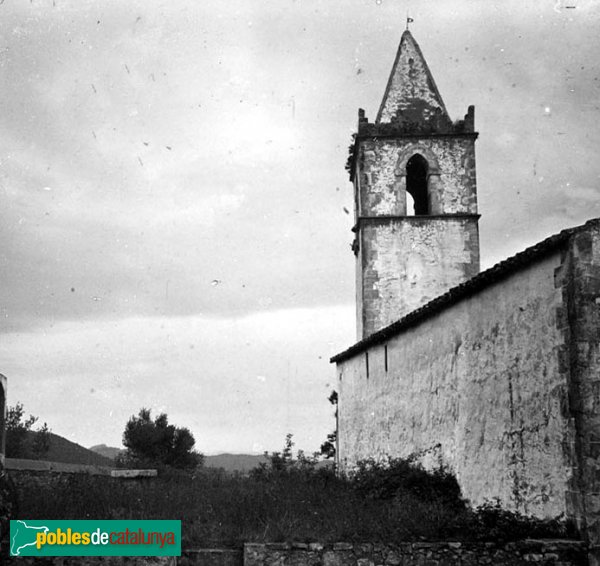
(494, 375)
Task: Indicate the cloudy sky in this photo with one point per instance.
(172, 191)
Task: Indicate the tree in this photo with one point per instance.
(158, 443)
(328, 447)
(21, 440)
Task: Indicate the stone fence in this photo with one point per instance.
(18, 467)
(546, 552)
(522, 553)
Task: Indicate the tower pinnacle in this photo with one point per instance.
(411, 95)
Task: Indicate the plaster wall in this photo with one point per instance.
(406, 262)
(478, 387)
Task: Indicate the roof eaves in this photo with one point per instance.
(466, 289)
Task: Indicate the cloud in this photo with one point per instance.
(193, 142)
(235, 382)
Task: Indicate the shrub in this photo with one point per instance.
(397, 477)
(288, 499)
(491, 522)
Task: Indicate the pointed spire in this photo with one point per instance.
(411, 97)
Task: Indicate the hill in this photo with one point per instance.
(65, 451)
(229, 462)
(110, 452)
(235, 462)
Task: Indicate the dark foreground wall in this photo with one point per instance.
(555, 553)
(548, 553)
(194, 557)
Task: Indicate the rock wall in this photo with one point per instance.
(93, 561)
(381, 181)
(549, 553)
(579, 320)
(403, 261)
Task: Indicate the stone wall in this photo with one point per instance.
(22, 467)
(579, 320)
(549, 553)
(93, 561)
(193, 557)
(381, 178)
(403, 261)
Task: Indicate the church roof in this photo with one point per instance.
(468, 288)
(411, 95)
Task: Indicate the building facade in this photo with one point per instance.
(494, 375)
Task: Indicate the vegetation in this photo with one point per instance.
(290, 498)
(156, 443)
(328, 447)
(22, 441)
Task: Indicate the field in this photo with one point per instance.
(295, 502)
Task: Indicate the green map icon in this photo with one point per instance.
(23, 535)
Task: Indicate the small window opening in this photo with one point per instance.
(385, 357)
(367, 363)
(417, 198)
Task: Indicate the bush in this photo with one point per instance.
(288, 499)
(491, 522)
(398, 477)
(283, 464)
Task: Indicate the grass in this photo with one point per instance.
(288, 500)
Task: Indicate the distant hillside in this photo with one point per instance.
(63, 450)
(229, 462)
(234, 462)
(106, 451)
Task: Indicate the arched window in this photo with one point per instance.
(416, 186)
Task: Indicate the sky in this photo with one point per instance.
(174, 211)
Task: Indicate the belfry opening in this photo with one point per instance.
(416, 186)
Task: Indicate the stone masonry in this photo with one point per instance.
(405, 260)
(524, 553)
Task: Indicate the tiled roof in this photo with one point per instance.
(462, 291)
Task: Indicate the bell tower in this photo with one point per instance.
(416, 220)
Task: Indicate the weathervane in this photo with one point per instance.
(409, 20)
